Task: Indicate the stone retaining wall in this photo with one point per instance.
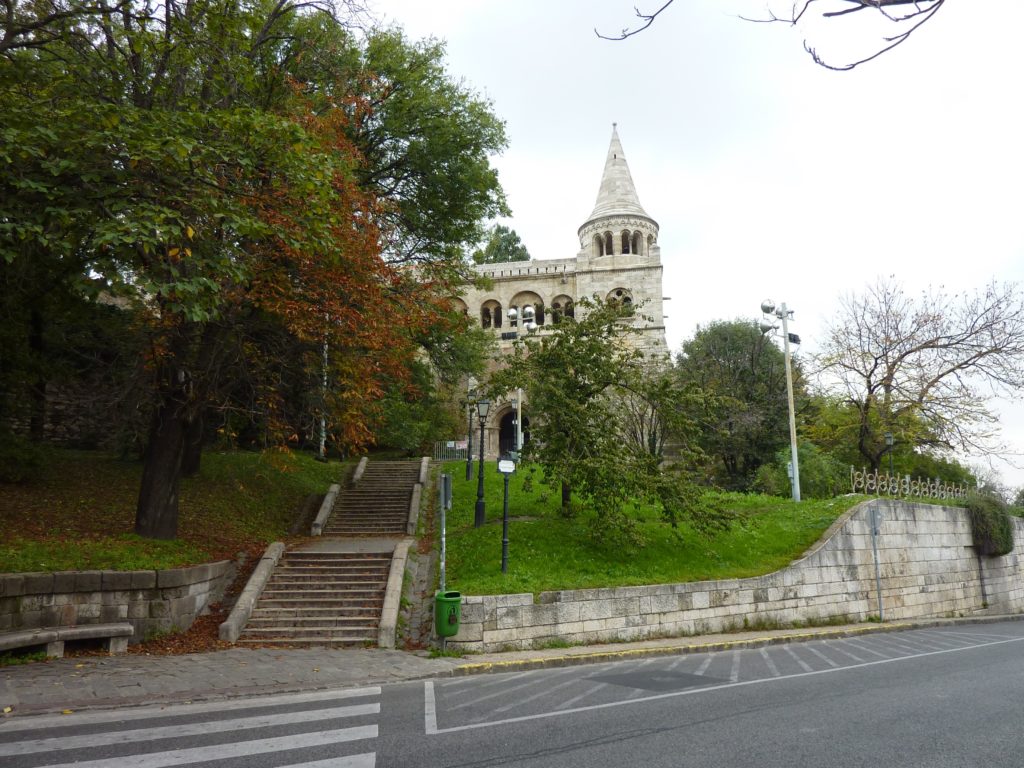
(153, 601)
(927, 567)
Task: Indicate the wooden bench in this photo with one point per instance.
(116, 636)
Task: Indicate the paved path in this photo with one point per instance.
(130, 680)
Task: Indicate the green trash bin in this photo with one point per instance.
(447, 613)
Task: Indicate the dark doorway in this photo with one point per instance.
(507, 432)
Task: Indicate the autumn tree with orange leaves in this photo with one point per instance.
(246, 176)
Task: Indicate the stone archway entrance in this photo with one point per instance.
(507, 432)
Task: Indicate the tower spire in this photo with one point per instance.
(617, 195)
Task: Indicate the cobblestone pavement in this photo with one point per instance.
(101, 681)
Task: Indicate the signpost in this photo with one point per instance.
(506, 467)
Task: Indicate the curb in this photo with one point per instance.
(601, 657)
(393, 596)
(326, 507)
(236, 621)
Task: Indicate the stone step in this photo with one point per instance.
(314, 622)
(305, 577)
(355, 640)
(353, 590)
(301, 604)
(324, 614)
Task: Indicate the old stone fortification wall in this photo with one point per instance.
(153, 601)
(927, 567)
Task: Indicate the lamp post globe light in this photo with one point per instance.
(482, 407)
(783, 314)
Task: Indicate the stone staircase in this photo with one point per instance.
(321, 598)
(379, 503)
(331, 591)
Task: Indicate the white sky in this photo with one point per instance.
(769, 176)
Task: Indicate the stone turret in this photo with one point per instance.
(618, 225)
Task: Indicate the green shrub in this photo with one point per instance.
(821, 475)
(991, 527)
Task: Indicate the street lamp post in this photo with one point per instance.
(889, 440)
(783, 314)
(478, 517)
(470, 397)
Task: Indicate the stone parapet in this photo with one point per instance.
(927, 567)
(152, 601)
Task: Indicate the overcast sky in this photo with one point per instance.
(769, 176)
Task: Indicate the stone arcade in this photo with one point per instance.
(619, 259)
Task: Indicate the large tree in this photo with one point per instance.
(924, 368)
(502, 244)
(745, 372)
(189, 159)
(585, 383)
(896, 21)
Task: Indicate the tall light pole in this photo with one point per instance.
(889, 440)
(529, 313)
(783, 314)
(478, 516)
(470, 397)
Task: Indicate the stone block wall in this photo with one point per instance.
(153, 601)
(927, 567)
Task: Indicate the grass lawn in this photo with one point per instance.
(547, 552)
(80, 516)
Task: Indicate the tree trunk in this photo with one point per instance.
(566, 499)
(193, 451)
(156, 516)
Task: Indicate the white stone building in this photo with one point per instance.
(619, 258)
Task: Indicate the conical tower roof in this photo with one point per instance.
(617, 195)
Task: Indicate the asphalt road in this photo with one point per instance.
(933, 697)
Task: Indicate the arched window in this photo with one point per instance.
(607, 243)
(561, 308)
(539, 309)
(625, 241)
(569, 309)
(491, 314)
(513, 321)
(529, 299)
(650, 242)
(621, 296)
(637, 240)
(598, 245)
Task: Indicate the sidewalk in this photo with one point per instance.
(131, 680)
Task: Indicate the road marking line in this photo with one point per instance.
(677, 662)
(705, 664)
(707, 689)
(768, 661)
(368, 760)
(228, 751)
(489, 696)
(734, 673)
(583, 695)
(862, 647)
(821, 656)
(535, 696)
(34, 722)
(835, 646)
(803, 664)
(429, 708)
(108, 738)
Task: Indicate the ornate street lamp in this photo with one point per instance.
(478, 518)
(783, 314)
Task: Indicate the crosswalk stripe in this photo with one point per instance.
(368, 760)
(33, 722)
(268, 720)
(228, 751)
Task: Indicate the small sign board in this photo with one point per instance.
(506, 466)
